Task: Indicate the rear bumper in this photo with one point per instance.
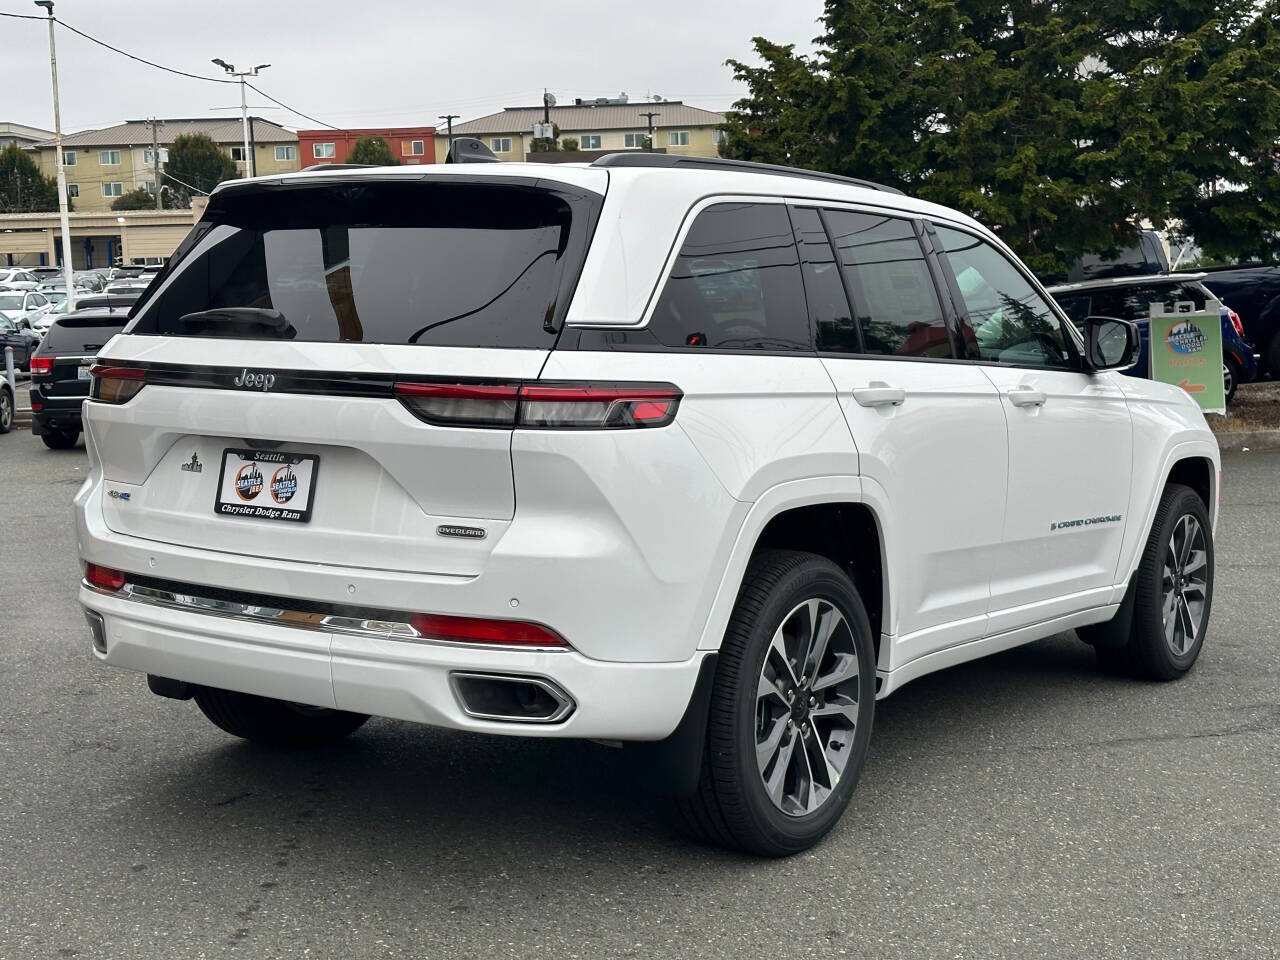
(57, 418)
(405, 680)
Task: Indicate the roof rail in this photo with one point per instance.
(639, 159)
(326, 167)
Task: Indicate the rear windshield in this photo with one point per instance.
(461, 264)
(81, 334)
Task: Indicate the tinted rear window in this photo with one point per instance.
(81, 334)
(459, 264)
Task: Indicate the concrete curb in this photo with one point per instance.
(1237, 440)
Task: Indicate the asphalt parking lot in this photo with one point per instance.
(1022, 806)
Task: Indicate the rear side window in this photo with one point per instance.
(736, 283)
(1133, 302)
(823, 289)
(895, 299)
(81, 334)
(443, 264)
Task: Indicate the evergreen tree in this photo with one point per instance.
(23, 188)
(196, 163)
(373, 150)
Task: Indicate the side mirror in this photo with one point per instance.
(1111, 344)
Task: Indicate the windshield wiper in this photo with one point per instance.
(223, 320)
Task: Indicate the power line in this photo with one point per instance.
(149, 63)
(289, 108)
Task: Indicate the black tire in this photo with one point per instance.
(1149, 653)
(1230, 373)
(60, 439)
(6, 409)
(732, 806)
(275, 723)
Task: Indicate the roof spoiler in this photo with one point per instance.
(469, 150)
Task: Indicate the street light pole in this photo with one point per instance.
(63, 219)
(244, 105)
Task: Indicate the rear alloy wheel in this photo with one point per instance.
(275, 723)
(60, 439)
(6, 410)
(791, 710)
(1230, 378)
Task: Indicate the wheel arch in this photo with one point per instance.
(827, 516)
(1195, 464)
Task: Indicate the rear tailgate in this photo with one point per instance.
(323, 300)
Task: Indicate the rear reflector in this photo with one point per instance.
(512, 633)
(41, 366)
(545, 406)
(116, 384)
(104, 578)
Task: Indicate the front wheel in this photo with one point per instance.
(276, 723)
(1173, 592)
(791, 708)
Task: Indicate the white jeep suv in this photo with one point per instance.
(696, 456)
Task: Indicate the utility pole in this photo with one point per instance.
(63, 219)
(153, 123)
(649, 117)
(244, 104)
(448, 118)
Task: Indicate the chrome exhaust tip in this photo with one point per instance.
(511, 699)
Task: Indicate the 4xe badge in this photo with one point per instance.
(255, 381)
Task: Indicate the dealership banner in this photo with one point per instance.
(1186, 351)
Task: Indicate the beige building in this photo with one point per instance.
(21, 135)
(101, 165)
(97, 239)
(677, 128)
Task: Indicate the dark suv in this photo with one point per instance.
(60, 372)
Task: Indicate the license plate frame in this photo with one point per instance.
(83, 373)
(235, 496)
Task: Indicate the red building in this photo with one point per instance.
(408, 144)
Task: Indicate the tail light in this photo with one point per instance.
(543, 406)
(116, 384)
(1235, 322)
(41, 366)
(511, 633)
(104, 578)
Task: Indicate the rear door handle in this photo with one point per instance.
(1023, 396)
(879, 394)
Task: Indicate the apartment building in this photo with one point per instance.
(604, 125)
(103, 164)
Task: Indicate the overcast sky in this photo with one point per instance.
(368, 64)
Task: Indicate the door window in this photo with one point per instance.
(736, 283)
(1010, 321)
(829, 312)
(894, 296)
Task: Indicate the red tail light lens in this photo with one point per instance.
(544, 406)
(1235, 322)
(601, 407)
(104, 578)
(511, 633)
(116, 384)
(41, 366)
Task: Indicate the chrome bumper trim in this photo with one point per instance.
(377, 624)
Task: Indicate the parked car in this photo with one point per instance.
(527, 463)
(125, 287)
(1130, 298)
(6, 406)
(45, 272)
(22, 339)
(90, 279)
(23, 307)
(17, 278)
(1254, 291)
(60, 372)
